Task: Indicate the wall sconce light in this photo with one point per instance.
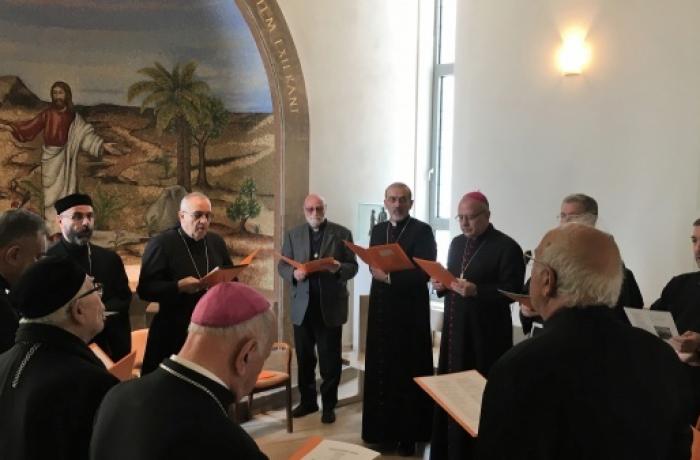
(574, 53)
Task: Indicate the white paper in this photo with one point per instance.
(659, 323)
(459, 394)
(336, 450)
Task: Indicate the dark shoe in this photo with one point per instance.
(328, 416)
(302, 410)
(406, 448)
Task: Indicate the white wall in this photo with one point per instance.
(626, 132)
(360, 60)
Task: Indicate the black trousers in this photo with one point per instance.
(312, 334)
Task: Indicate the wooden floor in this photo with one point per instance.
(269, 429)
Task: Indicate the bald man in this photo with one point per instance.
(171, 268)
(588, 386)
(477, 327)
(319, 304)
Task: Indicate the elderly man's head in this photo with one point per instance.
(22, 242)
(314, 210)
(473, 214)
(195, 215)
(575, 265)
(57, 292)
(231, 334)
(579, 208)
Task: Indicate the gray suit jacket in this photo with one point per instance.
(334, 292)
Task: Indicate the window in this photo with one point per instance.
(442, 124)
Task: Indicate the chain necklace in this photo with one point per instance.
(465, 263)
(206, 253)
(196, 384)
(388, 227)
(89, 259)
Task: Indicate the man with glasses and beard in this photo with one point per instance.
(76, 219)
(65, 134)
(51, 383)
(172, 266)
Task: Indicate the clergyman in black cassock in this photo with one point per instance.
(51, 383)
(182, 254)
(587, 386)
(399, 345)
(180, 410)
(477, 329)
(681, 297)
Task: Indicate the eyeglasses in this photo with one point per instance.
(398, 199)
(197, 215)
(79, 216)
(318, 209)
(532, 258)
(97, 287)
(463, 217)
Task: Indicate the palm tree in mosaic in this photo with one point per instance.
(175, 97)
(211, 121)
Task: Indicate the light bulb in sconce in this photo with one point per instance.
(574, 53)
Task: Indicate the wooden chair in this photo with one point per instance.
(138, 345)
(276, 374)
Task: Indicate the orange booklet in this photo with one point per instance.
(221, 275)
(460, 394)
(386, 257)
(311, 266)
(517, 297)
(436, 271)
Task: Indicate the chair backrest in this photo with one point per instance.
(138, 344)
(123, 368)
(280, 358)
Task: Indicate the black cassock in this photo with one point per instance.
(476, 330)
(9, 318)
(51, 386)
(586, 387)
(108, 269)
(169, 257)
(681, 296)
(172, 413)
(399, 343)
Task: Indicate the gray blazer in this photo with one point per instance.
(334, 292)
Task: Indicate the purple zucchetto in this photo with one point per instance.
(228, 304)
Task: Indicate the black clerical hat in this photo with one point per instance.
(47, 285)
(74, 199)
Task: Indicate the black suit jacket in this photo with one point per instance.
(334, 292)
(586, 387)
(9, 318)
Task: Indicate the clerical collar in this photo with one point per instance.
(320, 227)
(483, 234)
(401, 222)
(187, 237)
(198, 369)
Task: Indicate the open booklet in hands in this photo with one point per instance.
(661, 324)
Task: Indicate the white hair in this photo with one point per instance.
(185, 199)
(577, 282)
(259, 327)
(56, 318)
